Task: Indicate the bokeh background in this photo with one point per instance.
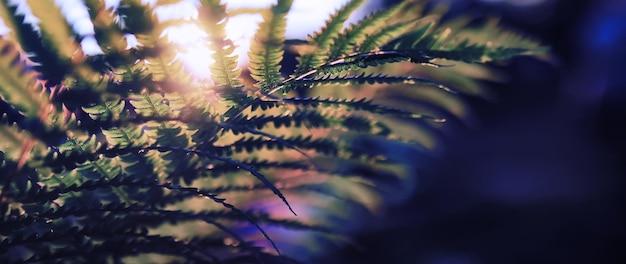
(540, 178)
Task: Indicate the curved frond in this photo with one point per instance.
(108, 140)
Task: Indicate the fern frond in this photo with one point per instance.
(364, 78)
(123, 135)
(354, 62)
(103, 168)
(250, 144)
(134, 164)
(357, 33)
(325, 38)
(470, 53)
(106, 111)
(150, 105)
(178, 248)
(10, 145)
(8, 19)
(52, 67)
(243, 166)
(55, 31)
(266, 49)
(224, 168)
(18, 85)
(378, 39)
(310, 119)
(362, 104)
(224, 70)
(444, 43)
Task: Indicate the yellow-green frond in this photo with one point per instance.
(325, 38)
(224, 70)
(266, 50)
(18, 86)
(355, 34)
(54, 28)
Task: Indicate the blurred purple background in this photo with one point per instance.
(540, 181)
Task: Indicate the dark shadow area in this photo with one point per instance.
(540, 181)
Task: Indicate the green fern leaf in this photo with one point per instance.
(224, 70)
(423, 47)
(224, 168)
(357, 104)
(106, 111)
(55, 31)
(379, 39)
(251, 144)
(17, 85)
(125, 137)
(52, 67)
(151, 105)
(324, 39)
(266, 50)
(356, 34)
(367, 79)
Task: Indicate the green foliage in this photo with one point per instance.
(266, 52)
(124, 155)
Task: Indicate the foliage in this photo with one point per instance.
(119, 153)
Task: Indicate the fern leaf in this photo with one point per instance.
(266, 50)
(354, 35)
(423, 47)
(312, 119)
(379, 39)
(125, 137)
(177, 164)
(357, 104)
(113, 42)
(224, 70)
(10, 144)
(52, 67)
(475, 53)
(362, 104)
(7, 17)
(221, 169)
(103, 168)
(368, 79)
(353, 62)
(18, 86)
(251, 143)
(278, 139)
(151, 105)
(55, 30)
(324, 39)
(246, 167)
(105, 111)
(77, 16)
(213, 197)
